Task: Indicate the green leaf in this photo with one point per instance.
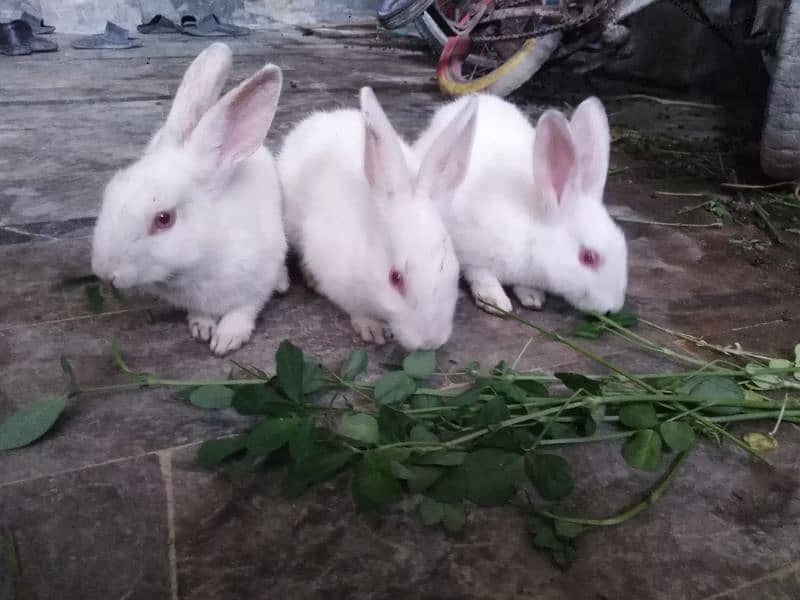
(394, 388)
(444, 458)
(424, 477)
(576, 382)
(678, 435)
(393, 425)
(532, 388)
(591, 418)
(422, 401)
(315, 468)
(393, 454)
(473, 368)
(421, 433)
(501, 369)
(565, 529)
(510, 391)
(589, 329)
(643, 450)
(420, 364)
(260, 399)
(30, 423)
(94, 297)
(592, 327)
(624, 318)
(493, 412)
(760, 442)
(762, 381)
(638, 416)
(468, 397)
(355, 364)
(453, 517)
(550, 474)
(314, 379)
(271, 434)
(560, 431)
(544, 536)
(374, 486)
(487, 477)
(431, 511)
(289, 366)
(399, 470)
(213, 452)
(301, 441)
(212, 397)
(717, 389)
(72, 381)
(360, 427)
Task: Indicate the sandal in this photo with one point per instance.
(37, 24)
(159, 24)
(17, 39)
(113, 38)
(210, 26)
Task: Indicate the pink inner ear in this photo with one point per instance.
(560, 160)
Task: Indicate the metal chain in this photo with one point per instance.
(579, 21)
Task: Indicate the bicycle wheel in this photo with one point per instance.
(436, 37)
(393, 14)
(780, 138)
(501, 81)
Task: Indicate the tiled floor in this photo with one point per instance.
(112, 504)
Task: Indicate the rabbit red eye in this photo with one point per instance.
(589, 258)
(164, 220)
(397, 281)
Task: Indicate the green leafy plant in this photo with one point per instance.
(484, 439)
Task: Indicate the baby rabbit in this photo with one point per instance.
(530, 212)
(363, 218)
(197, 220)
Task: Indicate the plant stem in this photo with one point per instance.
(634, 510)
(588, 440)
(581, 350)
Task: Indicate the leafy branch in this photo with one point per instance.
(480, 440)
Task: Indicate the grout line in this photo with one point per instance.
(779, 572)
(165, 460)
(85, 317)
(100, 464)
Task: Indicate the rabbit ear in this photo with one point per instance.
(384, 162)
(554, 161)
(236, 126)
(199, 90)
(445, 163)
(589, 127)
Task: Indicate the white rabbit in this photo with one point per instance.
(197, 220)
(530, 211)
(362, 216)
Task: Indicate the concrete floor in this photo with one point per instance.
(112, 504)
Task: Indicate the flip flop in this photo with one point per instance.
(37, 24)
(113, 38)
(17, 39)
(159, 24)
(210, 26)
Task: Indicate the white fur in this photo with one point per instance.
(357, 206)
(225, 254)
(531, 199)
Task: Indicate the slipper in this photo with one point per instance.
(159, 24)
(37, 24)
(113, 38)
(210, 26)
(17, 39)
